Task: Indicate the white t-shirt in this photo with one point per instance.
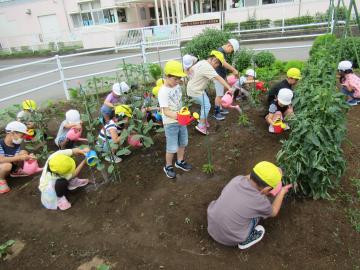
(203, 72)
(169, 98)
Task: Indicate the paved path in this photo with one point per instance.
(57, 92)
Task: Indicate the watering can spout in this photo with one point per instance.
(31, 167)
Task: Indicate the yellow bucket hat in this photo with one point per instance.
(155, 90)
(219, 56)
(62, 164)
(270, 174)
(174, 68)
(159, 82)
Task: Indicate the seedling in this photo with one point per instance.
(208, 168)
(243, 120)
(4, 248)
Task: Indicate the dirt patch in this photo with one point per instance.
(14, 250)
(150, 222)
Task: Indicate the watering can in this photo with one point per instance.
(184, 116)
(31, 166)
(227, 100)
(279, 126)
(158, 116)
(231, 80)
(134, 142)
(91, 158)
(74, 134)
(260, 86)
(30, 133)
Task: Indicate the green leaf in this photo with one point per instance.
(110, 169)
(103, 267)
(100, 166)
(122, 152)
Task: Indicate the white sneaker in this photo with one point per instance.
(255, 236)
(116, 159)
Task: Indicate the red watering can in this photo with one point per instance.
(74, 134)
(279, 126)
(184, 116)
(227, 100)
(134, 142)
(31, 166)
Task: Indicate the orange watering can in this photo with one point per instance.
(184, 116)
(279, 126)
(31, 166)
(227, 101)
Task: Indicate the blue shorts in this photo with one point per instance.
(176, 136)
(106, 110)
(346, 92)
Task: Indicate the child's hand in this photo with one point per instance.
(286, 188)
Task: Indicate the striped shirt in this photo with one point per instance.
(8, 151)
(106, 130)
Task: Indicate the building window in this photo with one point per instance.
(121, 15)
(143, 13)
(109, 16)
(87, 19)
(95, 4)
(76, 18)
(98, 17)
(85, 6)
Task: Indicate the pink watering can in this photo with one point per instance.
(134, 142)
(231, 80)
(31, 166)
(74, 134)
(227, 101)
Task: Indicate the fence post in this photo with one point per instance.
(143, 52)
(282, 25)
(62, 77)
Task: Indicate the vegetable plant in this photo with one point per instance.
(4, 248)
(208, 168)
(312, 156)
(243, 59)
(243, 120)
(264, 59)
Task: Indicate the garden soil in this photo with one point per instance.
(147, 221)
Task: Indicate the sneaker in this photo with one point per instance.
(224, 111)
(256, 235)
(352, 102)
(18, 173)
(116, 159)
(77, 182)
(201, 129)
(63, 203)
(169, 171)
(219, 117)
(207, 124)
(183, 165)
(4, 188)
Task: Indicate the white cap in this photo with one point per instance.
(344, 65)
(73, 116)
(285, 96)
(250, 72)
(120, 88)
(188, 60)
(16, 126)
(235, 44)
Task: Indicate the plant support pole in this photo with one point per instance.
(62, 77)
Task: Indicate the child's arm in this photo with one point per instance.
(223, 82)
(270, 118)
(19, 157)
(114, 136)
(107, 103)
(68, 126)
(78, 168)
(230, 67)
(169, 113)
(251, 81)
(276, 205)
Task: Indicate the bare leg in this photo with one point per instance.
(169, 158)
(5, 169)
(180, 153)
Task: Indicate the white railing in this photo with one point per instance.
(64, 80)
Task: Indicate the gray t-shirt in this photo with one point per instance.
(61, 135)
(229, 217)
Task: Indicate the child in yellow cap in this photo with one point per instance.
(26, 117)
(233, 217)
(59, 176)
(170, 102)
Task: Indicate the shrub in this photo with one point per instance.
(155, 71)
(278, 64)
(243, 58)
(210, 39)
(267, 74)
(229, 27)
(321, 41)
(254, 24)
(293, 64)
(264, 59)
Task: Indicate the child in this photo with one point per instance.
(150, 106)
(59, 176)
(72, 121)
(280, 108)
(26, 117)
(114, 98)
(233, 217)
(112, 130)
(293, 76)
(243, 83)
(189, 61)
(170, 104)
(202, 72)
(350, 83)
(227, 49)
(11, 157)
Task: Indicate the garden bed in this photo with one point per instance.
(150, 222)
